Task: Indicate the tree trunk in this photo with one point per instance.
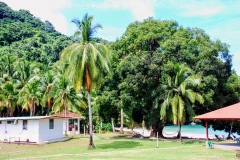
(113, 124)
(34, 108)
(65, 114)
(9, 110)
(230, 132)
(132, 125)
(157, 127)
(31, 107)
(143, 125)
(49, 104)
(180, 131)
(91, 145)
(121, 129)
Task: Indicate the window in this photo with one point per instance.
(10, 122)
(51, 123)
(0, 122)
(25, 123)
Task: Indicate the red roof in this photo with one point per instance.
(68, 115)
(227, 113)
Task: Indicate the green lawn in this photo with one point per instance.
(113, 146)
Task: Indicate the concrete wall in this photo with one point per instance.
(46, 134)
(71, 125)
(13, 132)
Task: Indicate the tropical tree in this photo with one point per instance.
(47, 81)
(65, 98)
(25, 70)
(7, 67)
(30, 96)
(9, 97)
(177, 104)
(88, 61)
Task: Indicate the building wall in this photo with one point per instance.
(46, 134)
(72, 127)
(15, 132)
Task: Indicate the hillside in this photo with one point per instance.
(27, 36)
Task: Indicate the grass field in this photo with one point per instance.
(113, 146)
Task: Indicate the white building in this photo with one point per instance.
(36, 129)
(71, 124)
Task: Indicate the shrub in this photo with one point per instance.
(105, 127)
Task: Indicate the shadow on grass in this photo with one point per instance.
(119, 145)
(122, 136)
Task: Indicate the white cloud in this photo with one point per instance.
(194, 8)
(44, 9)
(140, 9)
(110, 33)
(201, 8)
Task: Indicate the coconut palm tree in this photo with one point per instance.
(47, 81)
(30, 96)
(25, 71)
(179, 95)
(9, 97)
(65, 98)
(87, 62)
(7, 67)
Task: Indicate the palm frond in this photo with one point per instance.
(199, 98)
(174, 105)
(190, 94)
(181, 109)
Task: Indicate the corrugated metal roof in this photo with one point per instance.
(231, 112)
(21, 118)
(32, 118)
(69, 115)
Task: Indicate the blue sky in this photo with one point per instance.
(219, 18)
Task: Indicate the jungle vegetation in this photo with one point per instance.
(156, 70)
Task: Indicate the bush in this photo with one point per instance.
(105, 127)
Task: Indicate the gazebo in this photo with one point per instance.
(72, 126)
(231, 112)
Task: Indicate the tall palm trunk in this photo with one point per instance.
(91, 145)
(113, 128)
(121, 130)
(65, 114)
(180, 131)
(9, 110)
(32, 107)
(49, 103)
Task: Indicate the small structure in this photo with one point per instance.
(231, 112)
(36, 129)
(71, 123)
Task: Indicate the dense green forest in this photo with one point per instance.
(150, 63)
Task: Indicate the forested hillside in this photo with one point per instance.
(28, 50)
(26, 36)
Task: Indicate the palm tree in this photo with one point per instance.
(47, 82)
(30, 96)
(65, 98)
(9, 97)
(7, 67)
(179, 96)
(87, 62)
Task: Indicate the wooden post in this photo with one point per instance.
(206, 123)
(84, 130)
(78, 125)
(206, 130)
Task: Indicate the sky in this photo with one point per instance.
(218, 18)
